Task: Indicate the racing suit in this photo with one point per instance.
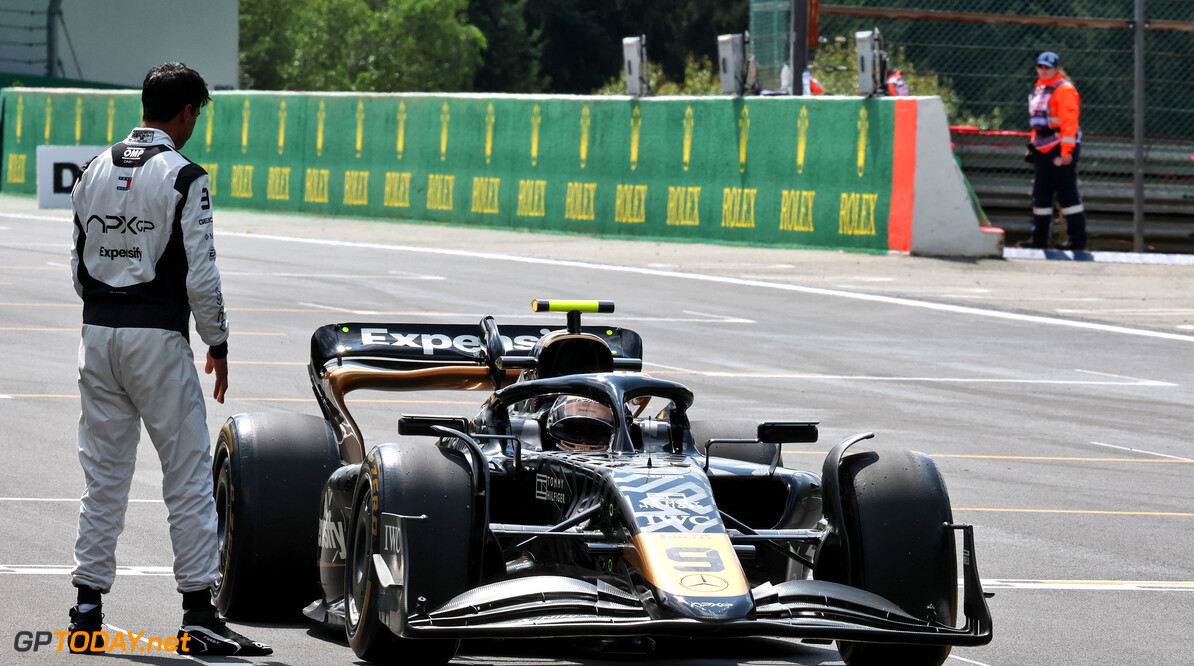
(142, 261)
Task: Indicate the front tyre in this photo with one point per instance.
(896, 511)
(422, 496)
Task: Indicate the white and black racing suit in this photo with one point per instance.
(143, 261)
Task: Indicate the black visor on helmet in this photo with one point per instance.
(580, 423)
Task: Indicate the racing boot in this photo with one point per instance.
(85, 627)
(203, 632)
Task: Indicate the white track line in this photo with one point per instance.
(1096, 585)
(70, 499)
(637, 270)
(874, 298)
(1151, 453)
(65, 569)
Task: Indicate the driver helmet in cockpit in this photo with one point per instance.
(580, 424)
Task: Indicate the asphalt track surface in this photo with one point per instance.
(1056, 398)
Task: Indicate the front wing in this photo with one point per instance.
(541, 606)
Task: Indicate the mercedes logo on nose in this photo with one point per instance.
(704, 583)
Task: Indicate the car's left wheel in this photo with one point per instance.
(432, 488)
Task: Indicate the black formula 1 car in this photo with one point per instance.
(580, 501)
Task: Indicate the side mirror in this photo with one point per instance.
(423, 426)
(788, 432)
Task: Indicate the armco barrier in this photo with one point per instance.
(795, 172)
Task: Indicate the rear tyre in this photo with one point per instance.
(268, 472)
(408, 479)
(896, 507)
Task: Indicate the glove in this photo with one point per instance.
(1030, 153)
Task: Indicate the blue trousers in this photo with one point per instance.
(1061, 180)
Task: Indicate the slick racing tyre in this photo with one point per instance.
(759, 453)
(896, 509)
(432, 488)
(268, 472)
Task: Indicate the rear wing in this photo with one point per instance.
(424, 357)
(385, 346)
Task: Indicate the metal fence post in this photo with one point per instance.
(52, 36)
(798, 43)
(1138, 131)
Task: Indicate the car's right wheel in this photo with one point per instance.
(267, 473)
(896, 511)
(419, 498)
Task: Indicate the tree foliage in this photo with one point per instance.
(361, 45)
(521, 46)
(511, 59)
(582, 39)
(833, 65)
(699, 79)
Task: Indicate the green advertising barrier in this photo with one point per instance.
(807, 172)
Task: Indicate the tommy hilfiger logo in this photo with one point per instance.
(128, 183)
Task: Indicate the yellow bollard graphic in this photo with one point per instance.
(536, 120)
(244, 128)
(211, 112)
(444, 117)
(322, 117)
(636, 126)
(360, 115)
(490, 119)
(584, 135)
(689, 123)
(801, 138)
(401, 128)
(863, 126)
(743, 134)
(282, 131)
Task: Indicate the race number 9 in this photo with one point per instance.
(704, 560)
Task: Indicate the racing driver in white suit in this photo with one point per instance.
(143, 261)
